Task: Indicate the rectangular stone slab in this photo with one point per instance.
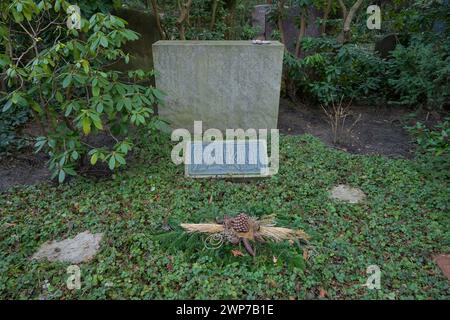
(225, 84)
(239, 159)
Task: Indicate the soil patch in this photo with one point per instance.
(379, 130)
(23, 169)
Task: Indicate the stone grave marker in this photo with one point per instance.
(226, 158)
(260, 20)
(225, 84)
(140, 50)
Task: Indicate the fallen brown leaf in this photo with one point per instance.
(9, 225)
(305, 255)
(237, 253)
(322, 293)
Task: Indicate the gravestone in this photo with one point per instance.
(140, 50)
(260, 20)
(386, 45)
(440, 26)
(225, 84)
(234, 159)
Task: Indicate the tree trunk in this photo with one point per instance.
(280, 21)
(184, 14)
(157, 17)
(213, 14)
(301, 33)
(344, 9)
(325, 17)
(231, 6)
(348, 17)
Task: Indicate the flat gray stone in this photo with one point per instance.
(225, 84)
(346, 193)
(81, 248)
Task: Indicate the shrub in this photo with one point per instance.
(420, 73)
(433, 146)
(434, 141)
(9, 123)
(333, 71)
(65, 78)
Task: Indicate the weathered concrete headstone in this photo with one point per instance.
(233, 159)
(346, 193)
(81, 248)
(225, 84)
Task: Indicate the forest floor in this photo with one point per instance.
(380, 130)
(401, 225)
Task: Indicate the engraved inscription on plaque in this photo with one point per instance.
(226, 158)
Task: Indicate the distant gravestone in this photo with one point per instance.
(440, 26)
(290, 23)
(226, 158)
(259, 19)
(140, 51)
(386, 45)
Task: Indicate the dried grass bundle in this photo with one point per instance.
(267, 232)
(280, 234)
(202, 227)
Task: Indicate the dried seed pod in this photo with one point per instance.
(240, 223)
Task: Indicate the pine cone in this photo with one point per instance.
(240, 223)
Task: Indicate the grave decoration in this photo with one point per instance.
(244, 229)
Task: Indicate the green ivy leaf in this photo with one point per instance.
(61, 176)
(95, 91)
(104, 42)
(120, 159)
(67, 80)
(7, 105)
(85, 65)
(112, 162)
(94, 158)
(59, 97)
(86, 123)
